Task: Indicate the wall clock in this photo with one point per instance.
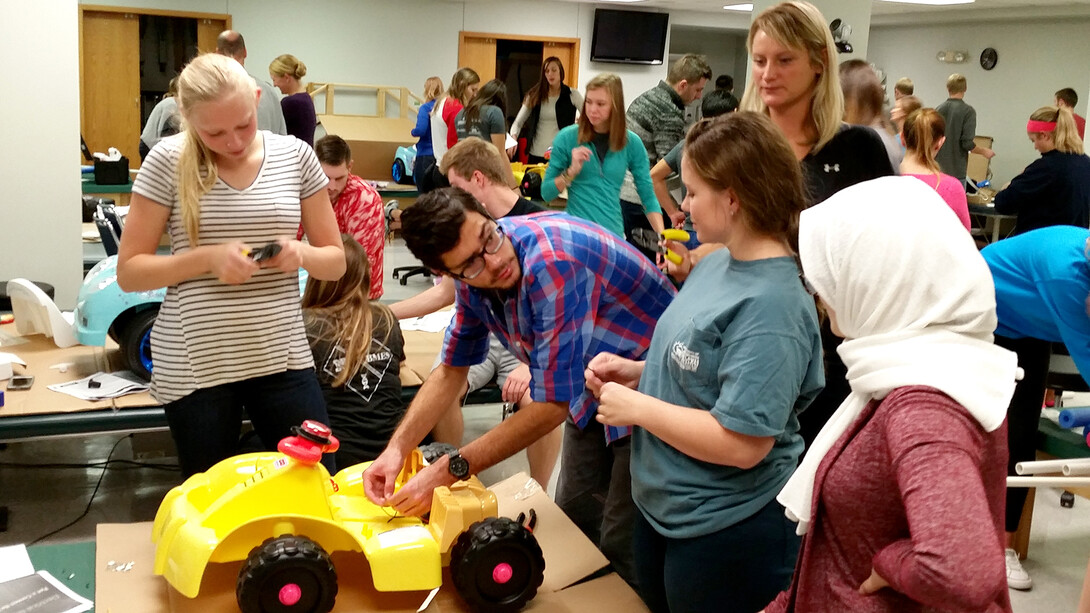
(989, 58)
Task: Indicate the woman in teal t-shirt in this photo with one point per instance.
(590, 158)
(732, 361)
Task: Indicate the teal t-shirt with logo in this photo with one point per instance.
(741, 340)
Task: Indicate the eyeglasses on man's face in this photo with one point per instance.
(476, 265)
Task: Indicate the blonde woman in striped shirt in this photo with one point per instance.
(229, 336)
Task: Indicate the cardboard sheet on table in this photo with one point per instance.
(569, 557)
(40, 352)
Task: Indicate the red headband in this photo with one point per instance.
(1040, 126)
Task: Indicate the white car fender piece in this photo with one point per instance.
(36, 313)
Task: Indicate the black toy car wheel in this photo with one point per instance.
(135, 342)
(287, 574)
(497, 565)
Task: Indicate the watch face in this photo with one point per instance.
(459, 466)
(989, 58)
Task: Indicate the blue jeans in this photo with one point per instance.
(740, 568)
(206, 424)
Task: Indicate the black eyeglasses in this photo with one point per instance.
(476, 265)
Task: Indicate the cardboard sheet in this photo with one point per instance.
(569, 557)
(40, 353)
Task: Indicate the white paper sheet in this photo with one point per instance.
(14, 563)
(110, 385)
(432, 322)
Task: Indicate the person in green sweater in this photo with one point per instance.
(590, 158)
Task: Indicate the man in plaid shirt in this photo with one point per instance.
(556, 291)
(357, 205)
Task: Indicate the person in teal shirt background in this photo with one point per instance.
(590, 158)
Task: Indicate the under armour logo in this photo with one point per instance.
(832, 168)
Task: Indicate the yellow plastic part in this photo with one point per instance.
(453, 509)
(674, 234)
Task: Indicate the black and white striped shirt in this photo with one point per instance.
(209, 333)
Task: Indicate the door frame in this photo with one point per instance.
(571, 73)
(98, 8)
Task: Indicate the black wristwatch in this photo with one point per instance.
(458, 466)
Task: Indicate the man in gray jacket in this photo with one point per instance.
(657, 116)
(953, 157)
(269, 115)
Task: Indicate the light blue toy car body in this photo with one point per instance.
(404, 163)
(104, 309)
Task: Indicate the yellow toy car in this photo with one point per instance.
(282, 513)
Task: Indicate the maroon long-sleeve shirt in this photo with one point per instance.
(914, 489)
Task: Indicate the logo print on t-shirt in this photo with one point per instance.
(832, 168)
(684, 357)
(367, 380)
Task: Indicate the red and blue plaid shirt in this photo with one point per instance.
(583, 291)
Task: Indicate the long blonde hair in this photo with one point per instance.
(347, 316)
(459, 82)
(800, 25)
(618, 128)
(1066, 136)
(209, 77)
(433, 88)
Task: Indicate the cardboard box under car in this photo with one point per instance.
(569, 558)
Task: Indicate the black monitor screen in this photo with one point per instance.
(631, 37)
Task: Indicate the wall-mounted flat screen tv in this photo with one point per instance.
(629, 37)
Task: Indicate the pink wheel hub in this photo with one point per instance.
(290, 594)
(502, 573)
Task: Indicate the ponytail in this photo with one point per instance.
(922, 129)
(197, 173)
(1066, 138)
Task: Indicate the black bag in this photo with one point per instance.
(112, 173)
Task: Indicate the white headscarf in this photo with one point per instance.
(915, 301)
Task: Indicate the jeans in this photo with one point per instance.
(595, 491)
(740, 568)
(205, 425)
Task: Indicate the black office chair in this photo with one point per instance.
(402, 273)
(109, 228)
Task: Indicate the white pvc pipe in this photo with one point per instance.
(1065, 482)
(1043, 466)
(1077, 467)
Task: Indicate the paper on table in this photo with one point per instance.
(109, 385)
(14, 563)
(432, 322)
(40, 593)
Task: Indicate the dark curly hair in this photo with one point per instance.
(433, 225)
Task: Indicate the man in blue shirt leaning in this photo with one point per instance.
(1042, 284)
(556, 291)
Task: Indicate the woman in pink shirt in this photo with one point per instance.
(923, 133)
(901, 495)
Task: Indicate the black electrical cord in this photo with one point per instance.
(89, 502)
(84, 465)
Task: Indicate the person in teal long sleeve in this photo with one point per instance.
(590, 158)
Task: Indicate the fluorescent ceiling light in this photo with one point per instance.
(630, 1)
(745, 7)
(931, 2)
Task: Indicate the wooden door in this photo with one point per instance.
(208, 30)
(568, 52)
(479, 53)
(110, 82)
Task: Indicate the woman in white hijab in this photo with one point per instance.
(901, 495)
